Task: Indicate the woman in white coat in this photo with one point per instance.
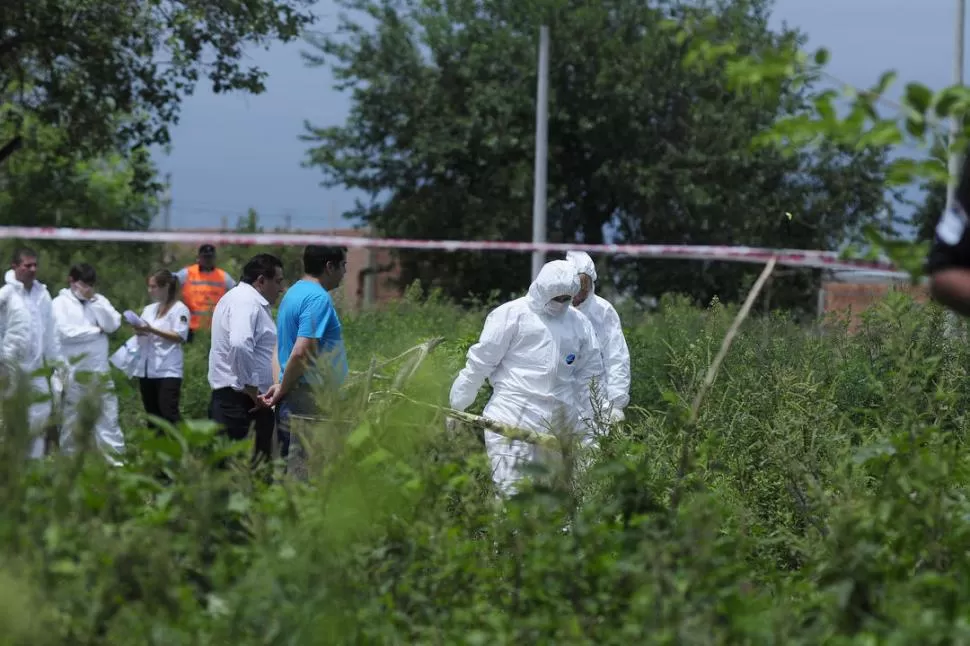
(84, 320)
(541, 357)
(160, 362)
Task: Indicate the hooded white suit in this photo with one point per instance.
(42, 348)
(14, 328)
(540, 357)
(83, 327)
(609, 333)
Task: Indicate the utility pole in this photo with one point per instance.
(956, 125)
(542, 148)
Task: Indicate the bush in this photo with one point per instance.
(821, 497)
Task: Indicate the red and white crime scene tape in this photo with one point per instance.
(789, 257)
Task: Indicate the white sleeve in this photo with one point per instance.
(242, 345)
(69, 325)
(181, 314)
(181, 275)
(483, 357)
(109, 319)
(52, 342)
(616, 356)
(16, 336)
(590, 369)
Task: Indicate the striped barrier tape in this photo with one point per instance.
(789, 257)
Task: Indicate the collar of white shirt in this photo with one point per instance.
(259, 297)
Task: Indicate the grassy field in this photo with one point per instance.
(820, 498)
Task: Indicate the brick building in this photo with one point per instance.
(851, 293)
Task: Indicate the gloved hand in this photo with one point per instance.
(616, 415)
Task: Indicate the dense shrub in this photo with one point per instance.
(821, 497)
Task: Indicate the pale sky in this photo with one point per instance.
(232, 152)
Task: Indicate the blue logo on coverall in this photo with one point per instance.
(570, 358)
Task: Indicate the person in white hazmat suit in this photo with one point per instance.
(609, 333)
(84, 319)
(540, 357)
(43, 347)
(14, 330)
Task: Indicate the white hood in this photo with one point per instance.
(584, 265)
(11, 279)
(556, 278)
(582, 262)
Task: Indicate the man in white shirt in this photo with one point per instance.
(43, 349)
(241, 355)
(83, 320)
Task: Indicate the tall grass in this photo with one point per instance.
(826, 502)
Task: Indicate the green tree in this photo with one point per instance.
(928, 211)
(917, 123)
(114, 72)
(932, 199)
(441, 136)
(44, 186)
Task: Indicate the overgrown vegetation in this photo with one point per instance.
(823, 500)
(820, 497)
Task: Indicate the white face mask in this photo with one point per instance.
(552, 308)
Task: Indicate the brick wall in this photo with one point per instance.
(851, 299)
(387, 272)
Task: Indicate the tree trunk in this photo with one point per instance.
(10, 148)
(592, 224)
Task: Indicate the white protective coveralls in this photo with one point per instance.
(43, 347)
(83, 327)
(14, 328)
(609, 333)
(540, 357)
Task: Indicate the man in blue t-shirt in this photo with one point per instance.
(310, 344)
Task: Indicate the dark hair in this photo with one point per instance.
(262, 265)
(206, 249)
(21, 253)
(84, 273)
(165, 278)
(316, 257)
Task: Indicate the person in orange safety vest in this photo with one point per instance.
(203, 284)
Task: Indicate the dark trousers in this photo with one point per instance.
(299, 401)
(230, 409)
(161, 397)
